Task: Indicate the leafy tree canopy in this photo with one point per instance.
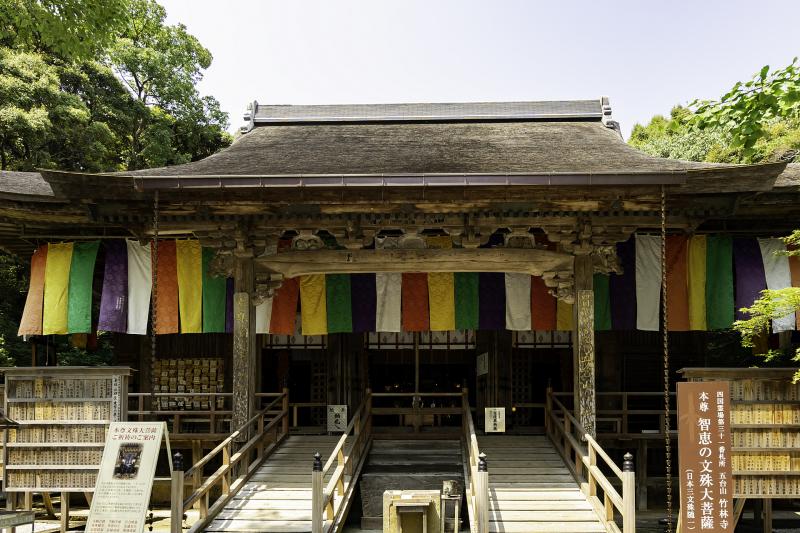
(749, 109)
(70, 29)
(95, 86)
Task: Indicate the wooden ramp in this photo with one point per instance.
(531, 490)
(278, 496)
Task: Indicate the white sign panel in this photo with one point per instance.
(495, 420)
(337, 418)
(125, 479)
(483, 363)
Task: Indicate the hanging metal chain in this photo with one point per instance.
(155, 279)
(667, 437)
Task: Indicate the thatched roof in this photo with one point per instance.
(530, 147)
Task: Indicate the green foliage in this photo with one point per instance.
(95, 86)
(161, 66)
(69, 29)
(749, 109)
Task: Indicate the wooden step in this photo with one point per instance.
(259, 526)
(540, 505)
(543, 516)
(546, 527)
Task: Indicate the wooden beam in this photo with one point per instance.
(244, 344)
(527, 261)
(583, 344)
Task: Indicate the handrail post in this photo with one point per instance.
(482, 505)
(285, 411)
(628, 495)
(176, 495)
(548, 410)
(316, 494)
(368, 410)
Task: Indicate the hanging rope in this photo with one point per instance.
(155, 279)
(667, 440)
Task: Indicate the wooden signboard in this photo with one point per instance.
(495, 420)
(337, 418)
(704, 449)
(125, 478)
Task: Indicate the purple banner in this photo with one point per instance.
(749, 268)
(114, 299)
(623, 288)
(363, 298)
(492, 300)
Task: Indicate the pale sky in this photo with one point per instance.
(646, 55)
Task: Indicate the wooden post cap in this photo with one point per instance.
(317, 463)
(627, 462)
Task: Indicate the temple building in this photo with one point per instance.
(427, 269)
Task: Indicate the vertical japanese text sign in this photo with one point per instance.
(704, 448)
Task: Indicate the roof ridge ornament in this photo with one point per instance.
(249, 117)
(605, 106)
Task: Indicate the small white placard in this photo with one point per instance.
(125, 478)
(337, 418)
(495, 420)
(483, 363)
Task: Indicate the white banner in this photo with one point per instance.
(125, 479)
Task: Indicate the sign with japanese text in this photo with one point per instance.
(704, 449)
(495, 420)
(337, 418)
(125, 479)
(483, 364)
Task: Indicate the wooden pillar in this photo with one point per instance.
(583, 343)
(244, 344)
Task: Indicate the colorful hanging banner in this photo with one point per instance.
(363, 300)
(313, 305)
(388, 305)
(140, 282)
(284, 308)
(623, 288)
(543, 306)
(518, 301)
(565, 320)
(339, 303)
(602, 303)
(697, 283)
(114, 298)
(648, 282)
(190, 285)
(466, 300)
(81, 275)
(56, 288)
(678, 283)
(32, 314)
(750, 279)
(166, 299)
(778, 276)
(214, 296)
(441, 291)
(415, 302)
(492, 300)
(263, 316)
(719, 282)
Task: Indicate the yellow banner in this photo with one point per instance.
(441, 291)
(313, 305)
(564, 320)
(56, 288)
(190, 285)
(697, 283)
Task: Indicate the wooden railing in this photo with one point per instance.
(477, 486)
(240, 454)
(415, 410)
(618, 420)
(329, 502)
(566, 434)
(197, 415)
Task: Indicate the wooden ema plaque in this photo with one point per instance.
(704, 448)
